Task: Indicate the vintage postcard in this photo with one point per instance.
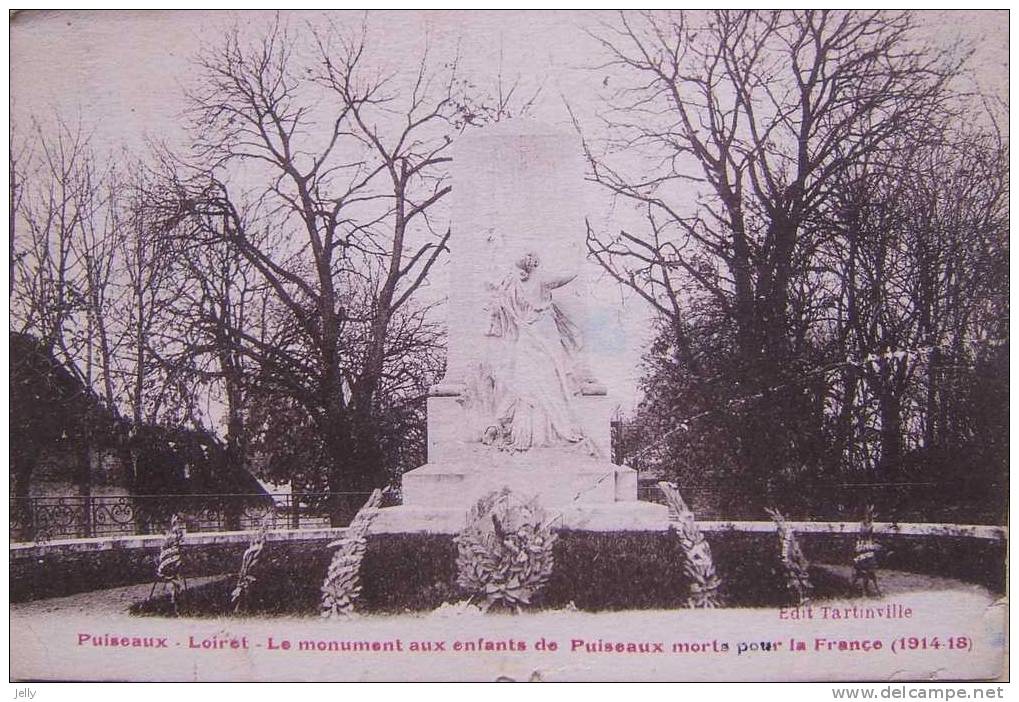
(509, 345)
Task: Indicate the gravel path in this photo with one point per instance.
(116, 600)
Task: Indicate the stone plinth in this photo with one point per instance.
(614, 516)
(578, 491)
(459, 485)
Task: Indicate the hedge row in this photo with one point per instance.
(594, 571)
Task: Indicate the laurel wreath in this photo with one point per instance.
(247, 576)
(699, 566)
(795, 565)
(342, 585)
(504, 553)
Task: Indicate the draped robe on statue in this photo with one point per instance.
(537, 376)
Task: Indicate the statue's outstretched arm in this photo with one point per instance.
(559, 281)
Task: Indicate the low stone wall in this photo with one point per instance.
(982, 532)
(970, 553)
(64, 567)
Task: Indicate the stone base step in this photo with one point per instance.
(618, 516)
(552, 478)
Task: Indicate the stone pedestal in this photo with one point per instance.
(459, 485)
(577, 491)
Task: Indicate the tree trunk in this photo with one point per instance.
(84, 459)
(890, 410)
(844, 423)
(933, 415)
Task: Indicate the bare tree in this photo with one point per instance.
(339, 226)
(915, 280)
(19, 159)
(745, 120)
(54, 198)
(57, 203)
(220, 299)
(92, 283)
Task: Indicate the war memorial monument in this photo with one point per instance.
(519, 407)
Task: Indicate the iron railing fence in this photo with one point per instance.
(70, 517)
(48, 518)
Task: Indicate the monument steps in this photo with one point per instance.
(595, 517)
(459, 484)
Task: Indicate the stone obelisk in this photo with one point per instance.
(518, 407)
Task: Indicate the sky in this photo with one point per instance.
(125, 73)
(131, 66)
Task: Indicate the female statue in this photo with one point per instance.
(538, 376)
